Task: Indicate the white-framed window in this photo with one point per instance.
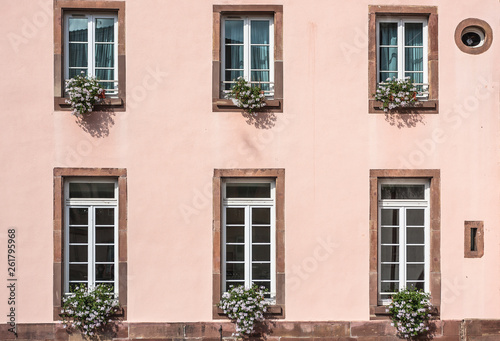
(402, 50)
(91, 46)
(404, 236)
(249, 234)
(90, 233)
(248, 51)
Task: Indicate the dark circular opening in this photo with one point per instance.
(471, 39)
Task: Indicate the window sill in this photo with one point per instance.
(273, 312)
(221, 105)
(380, 313)
(422, 107)
(105, 104)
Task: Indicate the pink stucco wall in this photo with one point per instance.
(170, 141)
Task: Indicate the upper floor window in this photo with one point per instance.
(92, 48)
(403, 42)
(248, 52)
(402, 51)
(248, 43)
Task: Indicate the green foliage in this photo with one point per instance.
(396, 93)
(250, 98)
(410, 312)
(84, 92)
(244, 307)
(89, 310)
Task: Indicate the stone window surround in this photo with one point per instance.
(430, 106)
(488, 35)
(479, 225)
(59, 174)
(277, 310)
(60, 6)
(378, 311)
(219, 104)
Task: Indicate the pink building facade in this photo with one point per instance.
(170, 193)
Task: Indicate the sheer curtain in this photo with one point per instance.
(234, 51)
(104, 50)
(414, 48)
(259, 40)
(388, 51)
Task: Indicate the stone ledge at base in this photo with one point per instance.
(447, 330)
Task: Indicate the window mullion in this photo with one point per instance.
(246, 49)
(402, 248)
(401, 50)
(91, 247)
(248, 247)
(91, 46)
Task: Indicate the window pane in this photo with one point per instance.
(260, 78)
(261, 234)
(403, 192)
(233, 75)
(413, 34)
(390, 235)
(390, 217)
(415, 254)
(260, 57)
(91, 190)
(264, 284)
(389, 271)
(389, 286)
(389, 253)
(104, 55)
(104, 216)
(73, 286)
(104, 31)
(415, 271)
(78, 216)
(387, 75)
(416, 77)
(78, 55)
(235, 271)
(261, 252)
(251, 190)
(235, 253)
(105, 74)
(414, 59)
(234, 57)
(261, 271)
(235, 216)
(78, 253)
(75, 72)
(260, 32)
(261, 215)
(78, 272)
(78, 235)
(388, 59)
(235, 234)
(104, 234)
(415, 235)
(104, 253)
(415, 285)
(104, 272)
(234, 31)
(415, 217)
(78, 29)
(388, 33)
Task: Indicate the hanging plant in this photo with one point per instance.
(248, 97)
(84, 92)
(396, 93)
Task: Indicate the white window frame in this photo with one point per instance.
(91, 204)
(91, 68)
(247, 51)
(401, 21)
(249, 203)
(403, 205)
